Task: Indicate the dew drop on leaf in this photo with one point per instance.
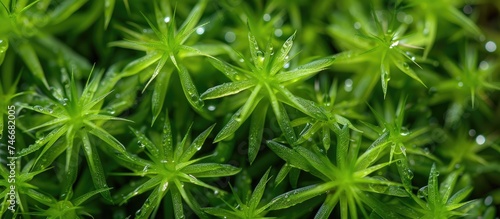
(200, 30)
(286, 65)
(423, 192)
(238, 117)
(405, 65)
(141, 145)
(484, 65)
(378, 188)
(278, 32)
(394, 44)
(404, 131)
(230, 37)
(266, 17)
(480, 139)
(409, 174)
(488, 200)
(357, 25)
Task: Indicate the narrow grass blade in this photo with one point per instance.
(211, 170)
(256, 130)
(227, 89)
(94, 163)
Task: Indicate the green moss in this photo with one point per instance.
(249, 109)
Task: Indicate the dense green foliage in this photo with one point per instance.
(249, 109)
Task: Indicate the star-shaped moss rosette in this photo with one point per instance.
(165, 50)
(429, 12)
(471, 82)
(268, 80)
(345, 178)
(336, 114)
(171, 168)
(381, 44)
(441, 200)
(249, 208)
(26, 26)
(23, 187)
(66, 208)
(394, 133)
(74, 118)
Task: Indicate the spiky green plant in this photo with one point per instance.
(300, 75)
(344, 175)
(267, 76)
(169, 167)
(74, 117)
(251, 207)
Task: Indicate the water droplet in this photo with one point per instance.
(230, 36)
(163, 161)
(490, 46)
(164, 187)
(237, 117)
(200, 30)
(488, 200)
(286, 65)
(216, 192)
(394, 44)
(266, 17)
(426, 150)
(141, 145)
(39, 108)
(378, 188)
(357, 25)
(432, 90)
(405, 65)
(138, 212)
(480, 139)
(484, 65)
(3, 45)
(348, 85)
(467, 9)
(426, 31)
(409, 174)
(457, 166)
(278, 33)
(211, 108)
(260, 56)
(166, 19)
(472, 132)
(435, 174)
(423, 192)
(111, 111)
(460, 84)
(404, 131)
